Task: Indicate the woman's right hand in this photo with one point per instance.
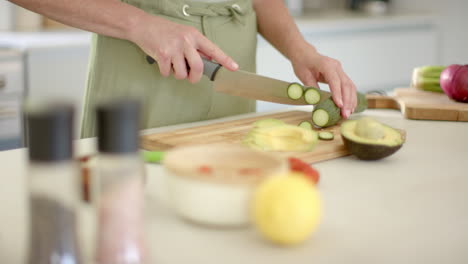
(173, 46)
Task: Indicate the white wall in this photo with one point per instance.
(453, 25)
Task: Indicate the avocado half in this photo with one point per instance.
(368, 139)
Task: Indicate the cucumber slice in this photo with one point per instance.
(326, 135)
(295, 91)
(312, 96)
(320, 117)
(306, 124)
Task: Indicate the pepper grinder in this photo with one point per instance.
(54, 191)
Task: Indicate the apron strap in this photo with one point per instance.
(233, 11)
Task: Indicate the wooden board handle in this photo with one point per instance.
(382, 102)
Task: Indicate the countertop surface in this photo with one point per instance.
(39, 39)
(341, 22)
(408, 208)
(327, 20)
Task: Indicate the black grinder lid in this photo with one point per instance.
(50, 131)
(117, 126)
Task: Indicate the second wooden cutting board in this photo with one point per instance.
(416, 104)
(234, 131)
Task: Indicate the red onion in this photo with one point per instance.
(454, 82)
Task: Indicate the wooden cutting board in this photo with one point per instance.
(416, 104)
(234, 131)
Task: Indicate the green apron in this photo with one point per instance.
(118, 68)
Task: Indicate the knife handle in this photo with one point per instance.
(209, 68)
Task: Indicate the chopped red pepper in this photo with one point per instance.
(205, 169)
(250, 171)
(298, 165)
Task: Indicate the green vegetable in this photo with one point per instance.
(306, 125)
(326, 135)
(432, 71)
(312, 95)
(153, 156)
(295, 91)
(326, 113)
(326, 116)
(426, 78)
(361, 103)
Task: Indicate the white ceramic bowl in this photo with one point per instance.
(213, 184)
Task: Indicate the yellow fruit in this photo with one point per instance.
(286, 208)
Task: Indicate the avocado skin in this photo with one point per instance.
(365, 151)
(366, 148)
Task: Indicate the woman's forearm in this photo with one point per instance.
(108, 17)
(277, 26)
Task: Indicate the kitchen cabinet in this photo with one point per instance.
(378, 53)
(55, 64)
(11, 97)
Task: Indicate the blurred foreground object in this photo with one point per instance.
(286, 208)
(118, 187)
(53, 185)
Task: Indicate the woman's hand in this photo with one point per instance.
(311, 67)
(174, 46)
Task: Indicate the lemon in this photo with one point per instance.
(286, 208)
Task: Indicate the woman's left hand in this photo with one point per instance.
(312, 67)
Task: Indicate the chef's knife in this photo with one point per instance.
(249, 85)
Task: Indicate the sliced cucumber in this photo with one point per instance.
(326, 113)
(326, 135)
(320, 117)
(295, 91)
(306, 125)
(312, 95)
(361, 104)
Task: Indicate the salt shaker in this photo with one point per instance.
(119, 186)
(54, 191)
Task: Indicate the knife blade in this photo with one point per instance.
(249, 85)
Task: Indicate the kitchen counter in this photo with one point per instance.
(40, 39)
(344, 21)
(407, 208)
